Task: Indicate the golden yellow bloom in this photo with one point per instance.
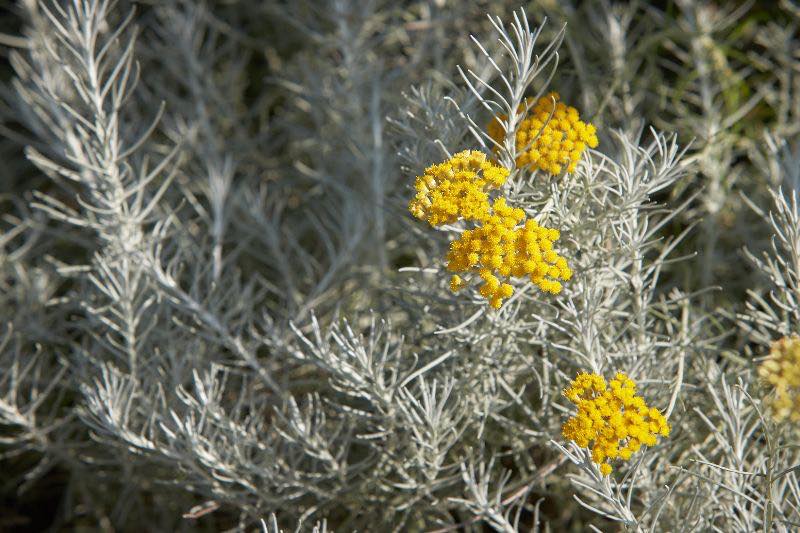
(611, 418)
(781, 369)
(548, 145)
(503, 242)
(457, 189)
(502, 248)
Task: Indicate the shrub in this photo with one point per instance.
(248, 247)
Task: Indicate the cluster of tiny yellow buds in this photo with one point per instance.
(548, 139)
(781, 370)
(502, 244)
(611, 418)
(457, 189)
(502, 248)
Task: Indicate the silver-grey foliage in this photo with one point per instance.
(217, 313)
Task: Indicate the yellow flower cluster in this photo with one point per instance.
(551, 144)
(611, 416)
(781, 369)
(500, 247)
(502, 244)
(457, 189)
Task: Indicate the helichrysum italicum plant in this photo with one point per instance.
(218, 314)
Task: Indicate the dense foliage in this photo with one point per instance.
(378, 265)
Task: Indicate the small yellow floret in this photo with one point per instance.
(609, 418)
(552, 141)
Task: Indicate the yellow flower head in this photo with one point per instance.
(501, 249)
(781, 370)
(611, 419)
(456, 189)
(545, 142)
(503, 242)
